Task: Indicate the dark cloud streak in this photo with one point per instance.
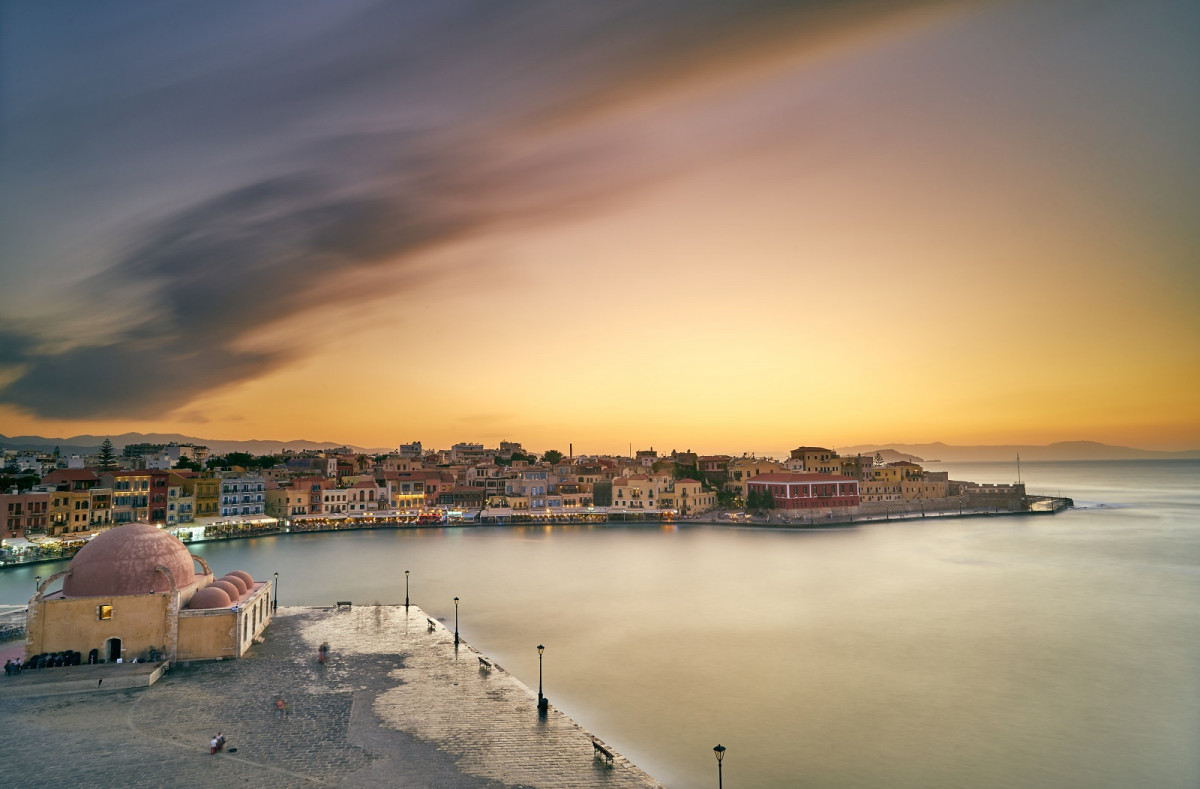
(449, 143)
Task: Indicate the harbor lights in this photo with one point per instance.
(720, 753)
(275, 604)
(456, 621)
(406, 591)
(543, 704)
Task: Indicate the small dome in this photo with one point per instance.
(210, 597)
(229, 589)
(236, 581)
(245, 576)
(123, 560)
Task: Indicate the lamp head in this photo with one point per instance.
(720, 752)
(541, 649)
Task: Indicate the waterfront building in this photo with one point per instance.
(133, 592)
(76, 511)
(286, 501)
(800, 491)
(364, 495)
(139, 495)
(640, 491)
(22, 513)
(242, 494)
(208, 493)
(181, 499)
(334, 501)
(688, 497)
(915, 489)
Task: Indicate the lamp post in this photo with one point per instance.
(720, 752)
(542, 703)
(275, 604)
(456, 621)
(406, 591)
(37, 583)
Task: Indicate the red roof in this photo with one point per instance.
(785, 477)
(69, 475)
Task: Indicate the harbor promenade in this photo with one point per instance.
(396, 704)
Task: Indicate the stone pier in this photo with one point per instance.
(395, 705)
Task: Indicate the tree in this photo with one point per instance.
(188, 463)
(108, 458)
(552, 456)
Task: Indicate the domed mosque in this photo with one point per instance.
(135, 592)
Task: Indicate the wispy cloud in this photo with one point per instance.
(382, 133)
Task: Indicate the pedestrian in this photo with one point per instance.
(212, 745)
(220, 741)
(279, 707)
(322, 653)
(8, 668)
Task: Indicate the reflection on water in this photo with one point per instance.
(1044, 651)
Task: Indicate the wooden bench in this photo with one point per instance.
(341, 603)
(484, 664)
(600, 750)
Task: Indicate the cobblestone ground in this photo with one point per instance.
(395, 705)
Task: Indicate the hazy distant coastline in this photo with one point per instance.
(917, 453)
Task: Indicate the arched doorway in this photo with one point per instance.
(112, 649)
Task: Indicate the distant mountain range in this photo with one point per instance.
(90, 445)
(1060, 450)
(917, 453)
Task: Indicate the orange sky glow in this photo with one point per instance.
(973, 224)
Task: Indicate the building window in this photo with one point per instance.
(104, 612)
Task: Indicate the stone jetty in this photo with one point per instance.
(395, 704)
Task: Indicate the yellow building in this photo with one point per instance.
(134, 592)
(742, 469)
(79, 511)
(689, 497)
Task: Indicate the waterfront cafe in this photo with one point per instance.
(220, 527)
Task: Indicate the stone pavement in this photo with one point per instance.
(396, 705)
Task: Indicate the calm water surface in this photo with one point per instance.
(1040, 651)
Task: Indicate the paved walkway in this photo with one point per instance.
(396, 705)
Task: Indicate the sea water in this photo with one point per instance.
(1055, 651)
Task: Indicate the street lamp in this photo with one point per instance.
(542, 703)
(456, 621)
(37, 583)
(720, 752)
(406, 591)
(275, 604)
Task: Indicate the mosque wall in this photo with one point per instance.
(79, 624)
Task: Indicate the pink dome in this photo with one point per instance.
(210, 597)
(229, 589)
(123, 560)
(236, 581)
(245, 576)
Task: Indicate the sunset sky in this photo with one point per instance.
(724, 226)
